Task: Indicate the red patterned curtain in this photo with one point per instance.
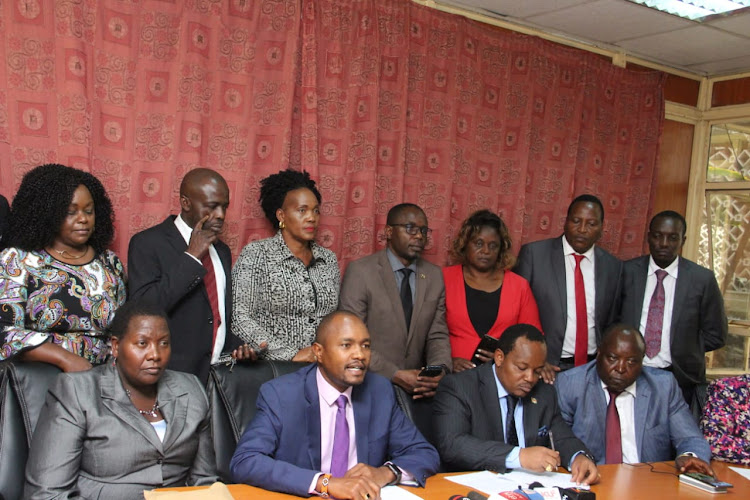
(382, 100)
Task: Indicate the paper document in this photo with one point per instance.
(492, 482)
(742, 472)
(397, 493)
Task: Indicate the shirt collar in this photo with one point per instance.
(568, 250)
(396, 264)
(282, 251)
(671, 269)
(328, 392)
(629, 389)
(185, 230)
(501, 392)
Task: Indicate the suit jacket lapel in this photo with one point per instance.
(488, 393)
(640, 289)
(421, 282)
(391, 290)
(642, 404)
(173, 405)
(117, 401)
(557, 267)
(530, 420)
(600, 285)
(361, 405)
(680, 296)
(312, 414)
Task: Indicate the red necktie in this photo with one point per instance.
(655, 318)
(612, 432)
(582, 323)
(209, 280)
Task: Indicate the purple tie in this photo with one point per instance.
(340, 454)
(655, 317)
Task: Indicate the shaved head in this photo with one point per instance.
(342, 349)
(204, 193)
(196, 178)
(334, 322)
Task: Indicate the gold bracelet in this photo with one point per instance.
(324, 485)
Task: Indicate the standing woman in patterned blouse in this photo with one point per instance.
(284, 285)
(59, 285)
(726, 419)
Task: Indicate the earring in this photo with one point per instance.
(281, 224)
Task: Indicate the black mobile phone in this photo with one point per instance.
(431, 371)
(486, 344)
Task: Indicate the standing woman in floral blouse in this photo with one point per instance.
(284, 285)
(59, 285)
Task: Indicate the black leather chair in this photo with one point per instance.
(232, 392)
(419, 411)
(23, 389)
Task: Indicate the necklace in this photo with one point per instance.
(62, 253)
(146, 413)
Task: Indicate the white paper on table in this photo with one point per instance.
(492, 482)
(397, 493)
(742, 472)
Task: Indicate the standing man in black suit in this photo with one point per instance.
(497, 417)
(182, 265)
(570, 274)
(677, 305)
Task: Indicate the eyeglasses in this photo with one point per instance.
(492, 246)
(413, 229)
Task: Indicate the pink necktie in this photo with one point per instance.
(655, 318)
(612, 431)
(582, 323)
(340, 453)
(209, 280)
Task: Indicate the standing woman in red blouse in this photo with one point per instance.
(481, 295)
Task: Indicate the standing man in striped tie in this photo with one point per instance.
(182, 265)
(576, 285)
(677, 305)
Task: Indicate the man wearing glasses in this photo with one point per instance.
(401, 299)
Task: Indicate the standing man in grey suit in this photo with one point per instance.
(401, 299)
(182, 265)
(497, 417)
(627, 413)
(677, 305)
(576, 286)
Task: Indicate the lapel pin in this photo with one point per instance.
(422, 276)
(533, 401)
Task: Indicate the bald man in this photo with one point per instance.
(293, 444)
(182, 265)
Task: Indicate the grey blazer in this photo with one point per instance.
(542, 263)
(90, 442)
(369, 290)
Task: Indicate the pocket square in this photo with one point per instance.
(542, 432)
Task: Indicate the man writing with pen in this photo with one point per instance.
(497, 417)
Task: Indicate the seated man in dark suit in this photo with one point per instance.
(627, 413)
(498, 417)
(332, 428)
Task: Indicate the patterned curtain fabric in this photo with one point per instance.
(383, 101)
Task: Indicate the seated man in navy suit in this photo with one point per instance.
(498, 417)
(332, 428)
(649, 417)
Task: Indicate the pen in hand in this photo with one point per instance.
(551, 441)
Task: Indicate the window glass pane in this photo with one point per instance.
(729, 153)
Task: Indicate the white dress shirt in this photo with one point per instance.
(625, 404)
(221, 285)
(664, 358)
(589, 284)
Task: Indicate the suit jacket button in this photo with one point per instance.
(159, 461)
(210, 321)
(311, 320)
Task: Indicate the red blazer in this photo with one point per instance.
(517, 305)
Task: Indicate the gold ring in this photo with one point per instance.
(548, 468)
(367, 496)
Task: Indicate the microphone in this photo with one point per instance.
(472, 495)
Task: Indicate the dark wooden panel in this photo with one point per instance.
(729, 92)
(677, 88)
(673, 170)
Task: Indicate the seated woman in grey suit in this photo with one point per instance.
(123, 427)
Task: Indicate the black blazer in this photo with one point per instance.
(468, 422)
(542, 263)
(699, 323)
(160, 271)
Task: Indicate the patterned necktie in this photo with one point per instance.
(340, 453)
(511, 436)
(582, 323)
(612, 432)
(209, 280)
(655, 318)
(406, 301)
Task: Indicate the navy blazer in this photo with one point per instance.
(280, 449)
(542, 263)
(160, 271)
(663, 422)
(699, 323)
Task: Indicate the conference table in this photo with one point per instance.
(637, 481)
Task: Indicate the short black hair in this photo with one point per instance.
(274, 188)
(512, 333)
(130, 310)
(41, 204)
(587, 198)
(325, 324)
(395, 212)
(623, 327)
(669, 214)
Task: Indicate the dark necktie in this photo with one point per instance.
(612, 432)
(582, 316)
(655, 318)
(511, 436)
(209, 280)
(406, 301)
(340, 453)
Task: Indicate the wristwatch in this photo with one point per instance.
(396, 471)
